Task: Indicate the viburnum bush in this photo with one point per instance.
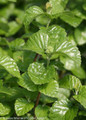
(43, 59)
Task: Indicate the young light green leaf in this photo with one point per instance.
(70, 82)
(4, 109)
(41, 75)
(63, 110)
(26, 82)
(22, 106)
(69, 18)
(50, 89)
(81, 96)
(9, 64)
(41, 112)
(31, 13)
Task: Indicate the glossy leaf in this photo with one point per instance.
(37, 42)
(63, 110)
(69, 18)
(4, 109)
(22, 106)
(41, 75)
(31, 13)
(50, 89)
(52, 42)
(57, 6)
(81, 96)
(26, 82)
(41, 112)
(70, 82)
(9, 64)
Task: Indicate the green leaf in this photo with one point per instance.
(79, 72)
(70, 55)
(12, 0)
(70, 82)
(57, 6)
(52, 43)
(26, 82)
(16, 44)
(71, 38)
(69, 18)
(81, 96)
(46, 99)
(3, 41)
(9, 64)
(13, 28)
(50, 89)
(43, 19)
(41, 75)
(4, 109)
(23, 59)
(39, 41)
(31, 13)
(41, 112)
(10, 94)
(63, 93)
(63, 110)
(80, 35)
(22, 106)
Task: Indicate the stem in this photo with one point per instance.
(48, 23)
(36, 57)
(39, 94)
(48, 61)
(37, 102)
(61, 74)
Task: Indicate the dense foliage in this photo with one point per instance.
(43, 59)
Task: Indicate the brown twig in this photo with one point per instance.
(39, 94)
(36, 57)
(37, 102)
(61, 74)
